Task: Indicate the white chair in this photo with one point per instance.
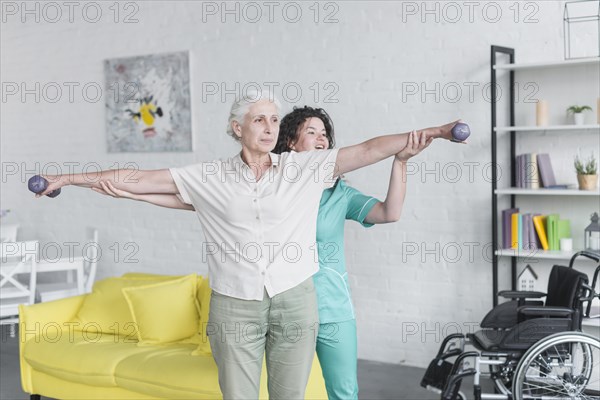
(83, 266)
(8, 233)
(16, 258)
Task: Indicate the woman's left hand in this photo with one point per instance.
(417, 142)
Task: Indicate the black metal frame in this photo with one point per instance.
(495, 242)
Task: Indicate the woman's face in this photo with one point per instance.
(311, 136)
(260, 128)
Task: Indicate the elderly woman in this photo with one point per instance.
(258, 211)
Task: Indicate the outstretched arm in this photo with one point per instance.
(162, 200)
(391, 209)
(133, 181)
(379, 148)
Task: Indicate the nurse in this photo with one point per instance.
(308, 129)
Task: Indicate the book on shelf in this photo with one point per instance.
(519, 231)
(563, 230)
(514, 231)
(529, 241)
(521, 165)
(546, 171)
(535, 180)
(529, 231)
(552, 231)
(539, 221)
(557, 187)
(506, 227)
(534, 239)
(527, 171)
(518, 179)
(525, 231)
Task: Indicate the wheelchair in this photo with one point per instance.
(530, 349)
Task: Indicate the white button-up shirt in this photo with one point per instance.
(259, 235)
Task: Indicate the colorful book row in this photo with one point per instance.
(533, 231)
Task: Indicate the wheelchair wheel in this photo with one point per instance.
(564, 365)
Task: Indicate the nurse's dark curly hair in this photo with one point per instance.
(288, 129)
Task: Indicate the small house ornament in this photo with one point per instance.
(528, 280)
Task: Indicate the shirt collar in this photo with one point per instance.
(238, 163)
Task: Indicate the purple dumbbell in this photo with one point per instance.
(37, 184)
(460, 132)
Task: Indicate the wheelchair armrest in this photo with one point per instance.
(517, 294)
(443, 353)
(556, 312)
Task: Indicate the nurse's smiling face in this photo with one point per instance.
(311, 135)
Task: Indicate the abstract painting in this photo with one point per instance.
(148, 103)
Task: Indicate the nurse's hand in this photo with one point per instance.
(417, 142)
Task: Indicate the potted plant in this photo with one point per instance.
(577, 112)
(587, 173)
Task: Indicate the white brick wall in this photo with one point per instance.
(373, 53)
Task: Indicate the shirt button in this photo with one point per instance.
(257, 217)
(263, 273)
(255, 200)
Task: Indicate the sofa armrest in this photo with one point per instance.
(51, 312)
(35, 318)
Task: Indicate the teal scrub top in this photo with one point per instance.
(339, 203)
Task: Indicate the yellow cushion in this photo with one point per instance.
(166, 311)
(106, 310)
(204, 293)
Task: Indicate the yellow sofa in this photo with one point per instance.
(62, 357)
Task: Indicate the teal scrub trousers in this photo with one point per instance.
(337, 352)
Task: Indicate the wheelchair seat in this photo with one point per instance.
(519, 326)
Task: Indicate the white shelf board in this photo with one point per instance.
(549, 64)
(548, 192)
(546, 254)
(547, 128)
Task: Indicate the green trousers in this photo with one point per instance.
(282, 329)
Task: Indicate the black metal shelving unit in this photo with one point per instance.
(508, 54)
(495, 50)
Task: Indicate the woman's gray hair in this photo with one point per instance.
(242, 104)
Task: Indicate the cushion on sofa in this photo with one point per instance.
(200, 337)
(106, 308)
(203, 294)
(170, 372)
(83, 357)
(166, 311)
